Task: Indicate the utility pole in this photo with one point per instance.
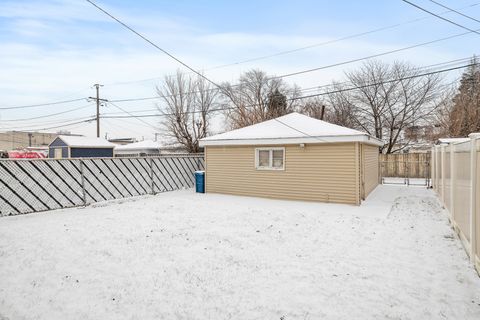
(30, 139)
(97, 99)
(322, 113)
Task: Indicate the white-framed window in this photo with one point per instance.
(270, 158)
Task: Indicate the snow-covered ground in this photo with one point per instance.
(182, 255)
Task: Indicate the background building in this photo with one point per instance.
(12, 140)
(80, 147)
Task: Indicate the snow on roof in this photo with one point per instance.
(146, 144)
(452, 140)
(80, 141)
(293, 128)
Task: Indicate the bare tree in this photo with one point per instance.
(338, 108)
(383, 100)
(442, 117)
(464, 114)
(257, 98)
(313, 107)
(186, 108)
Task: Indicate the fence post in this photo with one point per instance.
(442, 155)
(452, 183)
(407, 172)
(82, 181)
(432, 169)
(473, 197)
(428, 172)
(433, 165)
(379, 169)
(152, 185)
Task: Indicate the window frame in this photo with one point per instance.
(270, 158)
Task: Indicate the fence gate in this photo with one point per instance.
(405, 169)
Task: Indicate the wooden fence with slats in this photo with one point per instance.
(405, 165)
(46, 184)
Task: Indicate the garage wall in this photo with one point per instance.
(57, 143)
(317, 172)
(91, 152)
(371, 156)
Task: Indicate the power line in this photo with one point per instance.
(114, 113)
(206, 78)
(113, 126)
(452, 10)
(286, 75)
(64, 125)
(371, 56)
(134, 116)
(385, 82)
(157, 97)
(42, 123)
(263, 57)
(33, 126)
(440, 17)
(67, 124)
(42, 104)
(356, 35)
(147, 110)
(150, 42)
(299, 72)
(312, 95)
(48, 115)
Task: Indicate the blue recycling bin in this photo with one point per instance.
(200, 181)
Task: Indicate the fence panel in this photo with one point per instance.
(462, 187)
(447, 177)
(438, 168)
(45, 184)
(405, 165)
(457, 182)
(477, 201)
(408, 168)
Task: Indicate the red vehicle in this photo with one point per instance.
(28, 153)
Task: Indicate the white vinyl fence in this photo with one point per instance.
(46, 184)
(456, 179)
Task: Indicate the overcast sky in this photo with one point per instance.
(53, 50)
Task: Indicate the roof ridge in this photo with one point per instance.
(293, 126)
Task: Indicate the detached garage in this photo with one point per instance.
(80, 147)
(293, 157)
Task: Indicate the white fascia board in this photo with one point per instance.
(282, 141)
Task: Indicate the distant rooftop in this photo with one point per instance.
(147, 144)
(80, 141)
(141, 145)
(452, 140)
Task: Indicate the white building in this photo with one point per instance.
(146, 148)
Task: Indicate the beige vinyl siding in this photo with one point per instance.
(317, 172)
(370, 154)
